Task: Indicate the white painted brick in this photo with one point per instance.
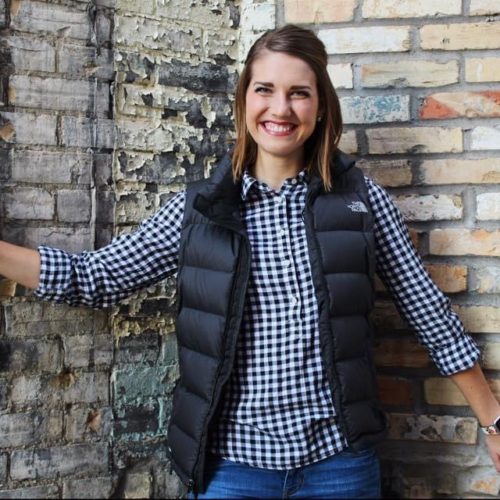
(488, 206)
(486, 69)
(365, 40)
(32, 128)
(375, 109)
(29, 203)
(485, 138)
(77, 61)
(259, 16)
(32, 55)
(212, 14)
(410, 8)
(319, 11)
(81, 132)
(484, 7)
(341, 75)
(73, 205)
(430, 207)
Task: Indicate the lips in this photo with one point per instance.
(279, 129)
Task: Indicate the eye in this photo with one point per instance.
(262, 90)
(301, 93)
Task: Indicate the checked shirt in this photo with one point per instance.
(277, 411)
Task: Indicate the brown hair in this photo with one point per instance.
(319, 148)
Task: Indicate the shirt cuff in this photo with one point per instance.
(459, 356)
(55, 273)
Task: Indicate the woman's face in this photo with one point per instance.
(281, 105)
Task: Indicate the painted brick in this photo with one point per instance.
(52, 462)
(488, 206)
(96, 487)
(486, 69)
(259, 16)
(22, 355)
(389, 173)
(444, 429)
(36, 17)
(375, 109)
(341, 75)
(88, 423)
(81, 351)
(32, 128)
(77, 61)
(23, 429)
(430, 207)
(480, 319)
(484, 7)
(45, 491)
(51, 167)
(486, 280)
(73, 205)
(366, 40)
(460, 36)
(442, 391)
(491, 356)
(29, 203)
(415, 140)
(207, 14)
(395, 9)
(80, 132)
(457, 104)
(485, 138)
(483, 482)
(401, 352)
(465, 242)
(319, 11)
(32, 55)
(416, 73)
(146, 7)
(460, 171)
(349, 142)
(449, 278)
(395, 391)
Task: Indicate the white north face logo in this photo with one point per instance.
(358, 206)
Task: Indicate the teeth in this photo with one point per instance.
(274, 127)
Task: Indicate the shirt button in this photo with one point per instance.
(282, 230)
(295, 301)
(279, 199)
(286, 263)
(294, 181)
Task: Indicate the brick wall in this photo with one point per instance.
(419, 83)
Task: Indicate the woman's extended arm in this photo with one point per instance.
(20, 264)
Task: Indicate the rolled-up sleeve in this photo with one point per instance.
(130, 262)
(417, 298)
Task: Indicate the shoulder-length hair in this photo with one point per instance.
(321, 146)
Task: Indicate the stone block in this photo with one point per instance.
(395, 391)
(396, 9)
(85, 132)
(375, 109)
(73, 205)
(88, 423)
(485, 69)
(415, 140)
(486, 280)
(430, 207)
(460, 36)
(23, 355)
(95, 487)
(484, 7)
(485, 138)
(449, 278)
(341, 75)
(32, 55)
(388, 173)
(456, 241)
(405, 352)
(76, 61)
(30, 492)
(24, 429)
(488, 206)
(366, 40)
(406, 73)
(460, 171)
(59, 94)
(445, 105)
(480, 319)
(29, 203)
(30, 128)
(59, 461)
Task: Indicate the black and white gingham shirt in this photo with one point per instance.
(277, 411)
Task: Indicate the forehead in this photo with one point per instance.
(281, 68)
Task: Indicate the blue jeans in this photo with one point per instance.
(345, 475)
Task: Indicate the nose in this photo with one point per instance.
(280, 105)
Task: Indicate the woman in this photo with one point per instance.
(275, 256)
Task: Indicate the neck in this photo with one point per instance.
(274, 170)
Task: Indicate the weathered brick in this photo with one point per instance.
(389, 173)
(460, 36)
(415, 140)
(341, 75)
(386, 317)
(449, 278)
(482, 482)
(442, 391)
(64, 460)
(22, 429)
(480, 319)
(455, 241)
(485, 69)
(490, 353)
(95, 487)
(259, 16)
(77, 61)
(395, 9)
(349, 142)
(430, 207)
(405, 352)
(366, 40)
(32, 128)
(484, 7)
(395, 391)
(45, 491)
(84, 132)
(88, 423)
(4, 388)
(3, 13)
(88, 388)
(208, 14)
(7, 288)
(138, 485)
(485, 138)
(73, 205)
(486, 280)
(32, 55)
(418, 73)
(36, 17)
(456, 104)
(488, 206)
(445, 429)
(3, 470)
(142, 418)
(24, 355)
(460, 171)
(375, 109)
(319, 11)
(85, 350)
(29, 203)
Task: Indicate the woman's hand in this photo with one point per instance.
(493, 444)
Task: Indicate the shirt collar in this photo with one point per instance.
(249, 182)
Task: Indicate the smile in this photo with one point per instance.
(278, 128)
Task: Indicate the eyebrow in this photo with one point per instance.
(293, 87)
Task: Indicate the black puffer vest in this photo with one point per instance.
(214, 265)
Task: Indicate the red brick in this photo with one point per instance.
(458, 104)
